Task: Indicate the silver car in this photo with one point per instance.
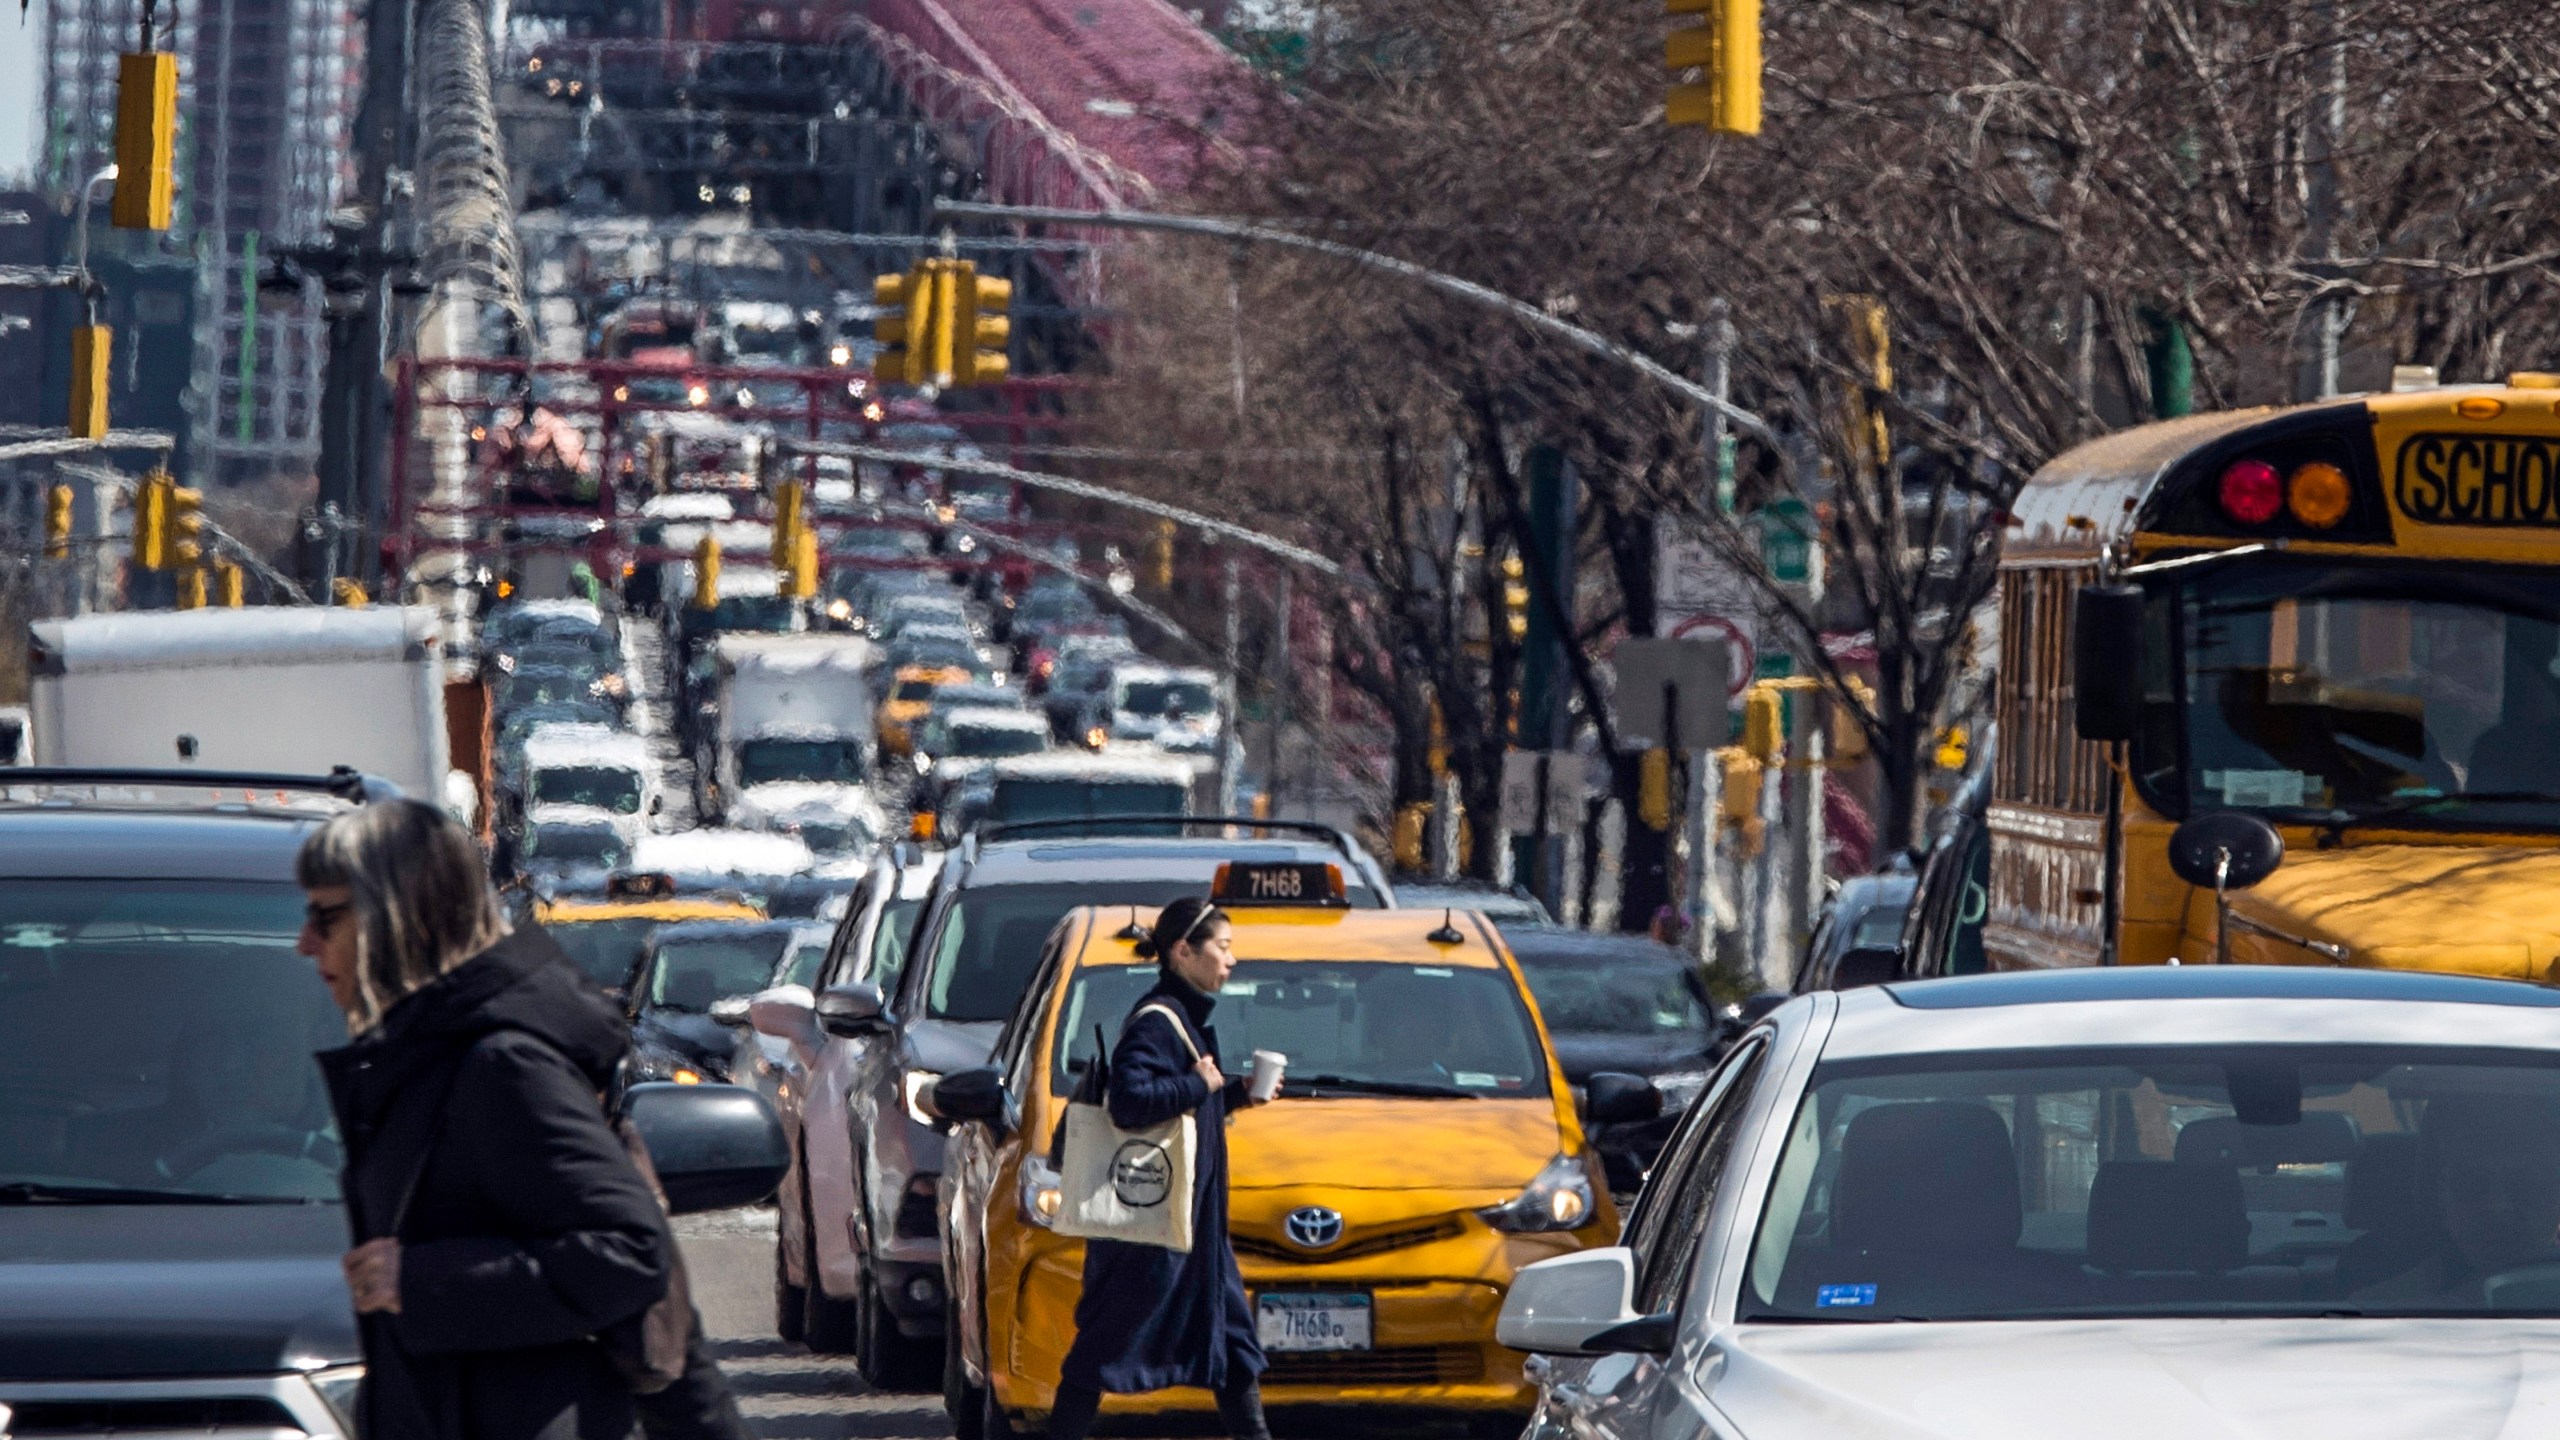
(2200, 1201)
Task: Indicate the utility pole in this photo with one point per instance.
(2327, 317)
(356, 298)
(1546, 720)
(1230, 744)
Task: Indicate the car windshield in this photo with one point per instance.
(2169, 1180)
(1358, 1023)
(691, 972)
(913, 690)
(800, 966)
(768, 613)
(1616, 994)
(834, 837)
(549, 686)
(158, 1036)
(989, 940)
(824, 762)
(584, 848)
(1018, 798)
(607, 951)
(606, 787)
(1168, 697)
(995, 740)
(2349, 690)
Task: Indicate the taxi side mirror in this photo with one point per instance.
(972, 1096)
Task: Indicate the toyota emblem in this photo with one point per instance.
(1314, 1227)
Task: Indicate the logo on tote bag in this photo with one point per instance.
(1141, 1173)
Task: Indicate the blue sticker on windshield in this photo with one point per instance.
(1835, 1297)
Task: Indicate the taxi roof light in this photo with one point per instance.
(641, 886)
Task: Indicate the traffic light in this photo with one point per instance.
(151, 521)
(348, 592)
(1160, 555)
(904, 326)
(706, 573)
(1727, 48)
(800, 565)
(1764, 732)
(230, 585)
(981, 328)
(91, 348)
(1848, 736)
(790, 506)
(186, 528)
(146, 140)
(1653, 789)
(191, 588)
(57, 521)
(1515, 598)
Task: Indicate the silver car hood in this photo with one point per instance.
(2250, 1379)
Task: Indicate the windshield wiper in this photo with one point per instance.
(2398, 805)
(1351, 1085)
(39, 1192)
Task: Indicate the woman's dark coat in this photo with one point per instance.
(1149, 1318)
(528, 1229)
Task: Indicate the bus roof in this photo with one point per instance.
(2086, 497)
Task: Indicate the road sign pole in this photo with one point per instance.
(1706, 800)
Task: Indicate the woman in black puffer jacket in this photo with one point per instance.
(506, 1245)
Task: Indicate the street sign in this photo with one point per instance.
(1556, 777)
(1697, 593)
(1672, 693)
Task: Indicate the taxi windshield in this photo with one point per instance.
(2354, 690)
(156, 1043)
(1348, 1027)
(607, 787)
(694, 972)
(2170, 1180)
(606, 951)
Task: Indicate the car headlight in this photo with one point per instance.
(839, 610)
(337, 1387)
(912, 1089)
(1559, 1198)
(1044, 1194)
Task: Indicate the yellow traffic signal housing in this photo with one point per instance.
(349, 592)
(230, 585)
(790, 511)
(146, 140)
(706, 573)
(57, 521)
(186, 527)
(1764, 733)
(1515, 597)
(1848, 737)
(92, 347)
(1653, 789)
(904, 327)
(1160, 555)
(981, 328)
(151, 521)
(800, 566)
(191, 593)
(1727, 48)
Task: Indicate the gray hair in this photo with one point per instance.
(422, 902)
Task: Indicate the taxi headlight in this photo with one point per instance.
(1558, 1199)
(1044, 1194)
(840, 610)
(337, 1387)
(912, 1089)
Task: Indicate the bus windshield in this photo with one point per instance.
(2355, 690)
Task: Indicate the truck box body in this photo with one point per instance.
(266, 688)
(785, 702)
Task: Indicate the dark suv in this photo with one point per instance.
(936, 1005)
(170, 1217)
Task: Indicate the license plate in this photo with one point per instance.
(1313, 1322)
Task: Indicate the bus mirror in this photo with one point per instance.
(2106, 661)
(2225, 850)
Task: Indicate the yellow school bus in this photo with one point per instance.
(2342, 619)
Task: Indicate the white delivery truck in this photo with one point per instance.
(788, 710)
(287, 690)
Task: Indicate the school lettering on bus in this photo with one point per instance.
(2505, 480)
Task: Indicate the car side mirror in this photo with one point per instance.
(715, 1147)
(1559, 1306)
(967, 1096)
(1867, 965)
(1611, 1097)
(730, 1010)
(657, 804)
(2106, 661)
(853, 1011)
(785, 1012)
(1757, 1008)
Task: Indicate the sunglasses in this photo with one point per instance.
(324, 918)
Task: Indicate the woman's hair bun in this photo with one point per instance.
(1146, 949)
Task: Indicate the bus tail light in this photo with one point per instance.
(2319, 495)
(2251, 492)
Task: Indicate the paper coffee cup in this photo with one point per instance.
(1267, 1065)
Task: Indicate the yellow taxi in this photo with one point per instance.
(1424, 1147)
(910, 697)
(603, 934)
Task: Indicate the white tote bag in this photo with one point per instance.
(1131, 1185)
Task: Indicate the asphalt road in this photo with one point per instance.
(786, 1392)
